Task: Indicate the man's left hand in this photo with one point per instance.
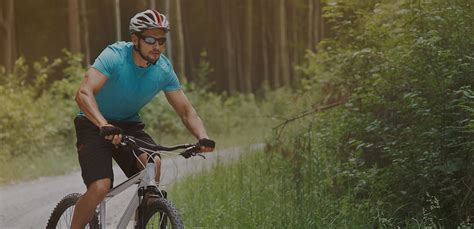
(207, 145)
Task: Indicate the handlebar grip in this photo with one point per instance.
(110, 130)
(207, 142)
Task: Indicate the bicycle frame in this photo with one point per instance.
(144, 178)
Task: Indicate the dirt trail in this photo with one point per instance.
(29, 204)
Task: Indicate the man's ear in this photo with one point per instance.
(134, 39)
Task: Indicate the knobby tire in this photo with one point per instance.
(161, 213)
(62, 214)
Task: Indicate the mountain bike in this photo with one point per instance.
(149, 204)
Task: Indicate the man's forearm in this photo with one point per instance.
(88, 105)
(195, 125)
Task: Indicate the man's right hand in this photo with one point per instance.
(111, 133)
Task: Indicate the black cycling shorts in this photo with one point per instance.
(95, 152)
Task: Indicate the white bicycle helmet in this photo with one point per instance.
(148, 19)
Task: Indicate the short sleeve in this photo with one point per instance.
(173, 82)
(107, 62)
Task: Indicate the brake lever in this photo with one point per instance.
(188, 154)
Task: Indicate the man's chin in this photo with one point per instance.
(153, 60)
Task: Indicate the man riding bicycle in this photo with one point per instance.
(122, 80)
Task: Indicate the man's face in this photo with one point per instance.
(152, 43)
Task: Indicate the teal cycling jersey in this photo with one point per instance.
(130, 87)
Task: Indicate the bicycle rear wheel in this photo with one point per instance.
(161, 213)
(62, 214)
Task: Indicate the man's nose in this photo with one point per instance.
(156, 46)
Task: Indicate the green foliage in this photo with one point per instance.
(202, 81)
(406, 69)
(37, 113)
(398, 153)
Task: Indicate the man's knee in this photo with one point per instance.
(99, 188)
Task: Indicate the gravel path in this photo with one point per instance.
(29, 204)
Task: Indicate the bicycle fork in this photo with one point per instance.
(146, 196)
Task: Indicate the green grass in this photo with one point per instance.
(48, 163)
(261, 191)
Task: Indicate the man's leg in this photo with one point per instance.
(85, 207)
(95, 159)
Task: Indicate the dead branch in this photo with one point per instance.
(280, 127)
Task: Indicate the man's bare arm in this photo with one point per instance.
(85, 96)
(186, 112)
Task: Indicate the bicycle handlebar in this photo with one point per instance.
(191, 149)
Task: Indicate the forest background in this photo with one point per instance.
(366, 107)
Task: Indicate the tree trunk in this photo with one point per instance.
(118, 31)
(321, 20)
(237, 29)
(264, 32)
(317, 22)
(85, 29)
(276, 47)
(189, 63)
(295, 50)
(247, 75)
(311, 25)
(169, 45)
(74, 25)
(179, 34)
(284, 58)
(229, 49)
(152, 4)
(7, 24)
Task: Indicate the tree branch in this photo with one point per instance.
(280, 127)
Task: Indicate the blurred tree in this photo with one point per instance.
(276, 74)
(118, 30)
(179, 36)
(315, 23)
(264, 41)
(169, 46)
(85, 33)
(74, 26)
(229, 48)
(237, 21)
(152, 4)
(249, 43)
(283, 43)
(248, 46)
(7, 26)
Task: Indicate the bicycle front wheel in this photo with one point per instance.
(62, 214)
(161, 214)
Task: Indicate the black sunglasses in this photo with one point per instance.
(152, 40)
